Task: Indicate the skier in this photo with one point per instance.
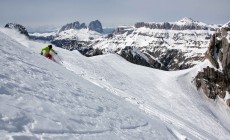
(47, 50)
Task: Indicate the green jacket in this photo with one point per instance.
(46, 50)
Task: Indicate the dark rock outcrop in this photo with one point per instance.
(92, 52)
(216, 82)
(95, 26)
(135, 56)
(18, 27)
(213, 82)
(171, 58)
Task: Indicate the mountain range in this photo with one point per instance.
(167, 45)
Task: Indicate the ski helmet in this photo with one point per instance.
(50, 46)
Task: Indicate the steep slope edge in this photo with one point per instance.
(215, 81)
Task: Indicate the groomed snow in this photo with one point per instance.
(103, 97)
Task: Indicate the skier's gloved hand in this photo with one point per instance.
(56, 53)
(41, 53)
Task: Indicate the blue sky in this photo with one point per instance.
(111, 12)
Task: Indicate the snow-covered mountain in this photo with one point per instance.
(101, 97)
(166, 45)
(73, 36)
(183, 24)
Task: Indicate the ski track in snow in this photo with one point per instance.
(170, 104)
(170, 119)
(155, 110)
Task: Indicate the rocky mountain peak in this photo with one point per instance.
(75, 25)
(17, 27)
(95, 26)
(186, 20)
(216, 81)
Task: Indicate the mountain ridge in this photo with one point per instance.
(93, 26)
(182, 24)
(166, 45)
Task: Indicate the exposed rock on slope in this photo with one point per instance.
(216, 81)
(133, 55)
(75, 25)
(17, 27)
(95, 26)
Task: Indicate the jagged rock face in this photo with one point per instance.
(135, 56)
(95, 26)
(92, 52)
(75, 25)
(129, 54)
(217, 82)
(171, 58)
(212, 82)
(219, 50)
(17, 27)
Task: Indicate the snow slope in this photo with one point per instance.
(103, 97)
(170, 96)
(42, 100)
